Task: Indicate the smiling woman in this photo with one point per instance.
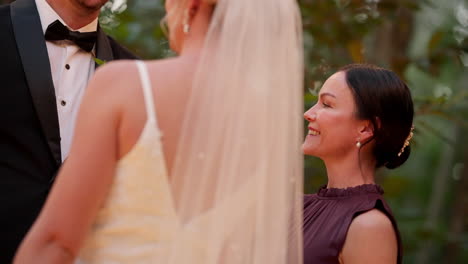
(335, 106)
(362, 121)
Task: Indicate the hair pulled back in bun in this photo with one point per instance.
(384, 99)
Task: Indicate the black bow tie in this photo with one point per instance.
(57, 31)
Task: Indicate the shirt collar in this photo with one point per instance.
(48, 15)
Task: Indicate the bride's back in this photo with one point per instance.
(171, 81)
(137, 222)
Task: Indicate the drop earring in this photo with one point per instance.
(358, 144)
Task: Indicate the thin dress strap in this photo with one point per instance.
(147, 91)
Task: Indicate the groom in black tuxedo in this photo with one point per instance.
(47, 55)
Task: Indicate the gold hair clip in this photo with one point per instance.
(407, 141)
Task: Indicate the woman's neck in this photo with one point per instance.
(195, 39)
(349, 172)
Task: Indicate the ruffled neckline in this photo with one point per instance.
(350, 191)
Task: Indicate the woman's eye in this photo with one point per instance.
(325, 105)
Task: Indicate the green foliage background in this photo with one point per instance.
(426, 43)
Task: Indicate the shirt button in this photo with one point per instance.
(63, 103)
(67, 66)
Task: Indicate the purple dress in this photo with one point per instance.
(328, 215)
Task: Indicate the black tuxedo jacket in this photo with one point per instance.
(30, 152)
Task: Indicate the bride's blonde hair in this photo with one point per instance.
(237, 177)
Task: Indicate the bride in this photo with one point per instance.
(193, 159)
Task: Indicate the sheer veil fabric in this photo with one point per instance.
(237, 178)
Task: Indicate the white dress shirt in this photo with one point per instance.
(71, 70)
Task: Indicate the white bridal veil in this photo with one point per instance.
(237, 178)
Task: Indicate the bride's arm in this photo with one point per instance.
(83, 180)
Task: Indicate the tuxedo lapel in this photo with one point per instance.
(34, 57)
(103, 47)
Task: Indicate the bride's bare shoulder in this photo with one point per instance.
(168, 77)
(172, 67)
(114, 73)
(123, 71)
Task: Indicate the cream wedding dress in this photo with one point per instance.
(138, 218)
(138, 222)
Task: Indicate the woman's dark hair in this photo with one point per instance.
(384, 99)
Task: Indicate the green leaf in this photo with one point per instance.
(99, 61)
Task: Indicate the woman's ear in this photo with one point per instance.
(366, 131)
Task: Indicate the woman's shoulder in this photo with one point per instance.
(114, 74)
(371, 220)
(118, 70)
(371, 236)
(120, 76)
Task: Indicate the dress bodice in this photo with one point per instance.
(138, 222)
(328, 215)
(138, 216)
